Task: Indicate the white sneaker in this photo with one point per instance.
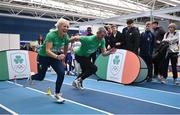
(59, 98)
(163, 80)
(77, 84)
(81, 86)
(175, 82)
(159, 77)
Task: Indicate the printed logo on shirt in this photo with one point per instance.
(90, 51)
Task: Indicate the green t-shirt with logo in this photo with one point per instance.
(89, 44)
(57, 41)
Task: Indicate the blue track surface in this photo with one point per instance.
(3, 111)
(159, 86)
(106, 96)
(24, 101)
(147, 94)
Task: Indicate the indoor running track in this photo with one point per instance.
(99, 97)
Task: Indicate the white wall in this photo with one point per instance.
(9, 41)
(4, 42)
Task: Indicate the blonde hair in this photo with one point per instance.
(58, 23)
(61, 21)
(107, 27)
(173, 25)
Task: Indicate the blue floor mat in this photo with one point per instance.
(107, 102)
(160, 86)
(153, 85)
(25, 101)
(3, 111)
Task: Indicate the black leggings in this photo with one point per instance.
(148, 61)
(164, 70)
(43, 63)
(87, 67)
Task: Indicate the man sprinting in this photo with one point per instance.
(89, 44)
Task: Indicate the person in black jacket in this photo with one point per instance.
(116, 38)
(146, 48)
(108, 36)
(131, 35)
(89, 31)
(159, 34)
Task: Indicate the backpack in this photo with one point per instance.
(160, 53)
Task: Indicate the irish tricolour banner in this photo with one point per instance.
(115, 66)
(16, 64)
(123, 66)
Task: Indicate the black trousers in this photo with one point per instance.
(164, 70)
(93, 57)
(157, 66)
(87, 67)
(148, 61)
(43, 63)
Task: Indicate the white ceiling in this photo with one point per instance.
(83, 10)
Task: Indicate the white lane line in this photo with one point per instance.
(99, 110)
(158, 90)
(132, 86)
(7, 109)
(134, 98)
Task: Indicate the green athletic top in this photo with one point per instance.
(89, 44)
(57, 41)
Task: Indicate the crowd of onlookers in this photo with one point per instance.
(155, 46)
(34, 45)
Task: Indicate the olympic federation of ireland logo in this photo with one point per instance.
(115, 64)
(18, 59)
(18, 62)
(116, 60)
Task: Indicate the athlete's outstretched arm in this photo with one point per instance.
(105, 52)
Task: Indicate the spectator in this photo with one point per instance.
(131, 35)
(89, 31)
(159, 34)
(172, 38)
(108, 36)
(39, 42)
(146, 48)
(116, 38)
